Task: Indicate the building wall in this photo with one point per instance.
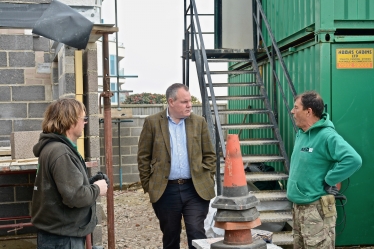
(25, 81)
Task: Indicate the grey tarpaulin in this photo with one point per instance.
(63, 24)
(56, 21)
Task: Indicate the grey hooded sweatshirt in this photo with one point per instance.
(64, 202)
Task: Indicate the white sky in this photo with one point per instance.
(152, 33)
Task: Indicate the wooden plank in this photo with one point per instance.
(5, 151)
(123, 113)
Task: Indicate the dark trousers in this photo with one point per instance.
(48, 241)
(181, 200)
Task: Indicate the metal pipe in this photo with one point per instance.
(119, 155)
(188, 59)
(18, 172)
(88, 241)
(192, 26)
(15, 218)
(184, 61)
(184, 48)
(117, 61)
(217, 24)
(118, 104)
(274, 84)
(17, 226)
(18, 238)
(108, 140)
(218, 166)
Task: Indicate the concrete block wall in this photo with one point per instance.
(92, 141)
(25, 81)
(66, 72)
(125, 148)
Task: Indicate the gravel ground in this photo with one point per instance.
(136, 225)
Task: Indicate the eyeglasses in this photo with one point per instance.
(85, 118)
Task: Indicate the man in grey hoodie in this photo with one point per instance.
(64, 198)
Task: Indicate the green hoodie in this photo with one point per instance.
(320, 155)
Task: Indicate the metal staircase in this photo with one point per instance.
(249, 114)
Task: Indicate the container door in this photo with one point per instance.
(352, 110)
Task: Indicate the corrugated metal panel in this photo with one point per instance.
(304, 71)
(288, 17)
(354, 10)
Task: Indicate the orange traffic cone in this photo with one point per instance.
(234, 181)
(236, 208)
(235, 194)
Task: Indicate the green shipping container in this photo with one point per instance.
(328, 46)
(345, 82)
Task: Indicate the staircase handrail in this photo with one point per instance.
(208, 74)
(280, 58)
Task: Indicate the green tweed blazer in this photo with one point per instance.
(154, 155)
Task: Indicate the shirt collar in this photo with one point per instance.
(73, 144)
(168, 116)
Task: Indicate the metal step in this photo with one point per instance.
(234, 84)
(243, 111)
(239, 97)
(270, 195)
(262, 158)
(258, 176)
(232, 72)
(282, 238)
(272, 200)
(229, 60)
(246, 126)
(258, 142)
(227, 53)
(276, 216)
(265, 176)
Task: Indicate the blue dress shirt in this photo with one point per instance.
(180, 167)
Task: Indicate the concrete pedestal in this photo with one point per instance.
(206, 244)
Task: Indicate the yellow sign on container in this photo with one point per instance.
(354, 58)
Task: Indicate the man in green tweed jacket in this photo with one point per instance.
(176, 162)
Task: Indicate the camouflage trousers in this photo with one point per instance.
(311, 228)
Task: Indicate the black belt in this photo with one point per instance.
(179, 181)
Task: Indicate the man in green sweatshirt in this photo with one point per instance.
(321, 158)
